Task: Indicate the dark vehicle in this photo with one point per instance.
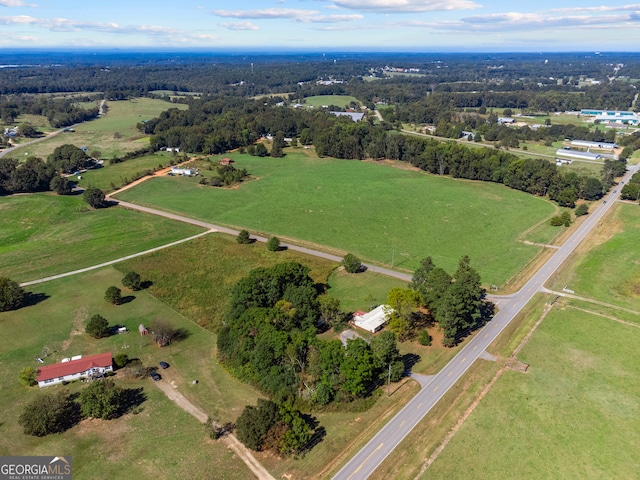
(164, 364)
(155, 376)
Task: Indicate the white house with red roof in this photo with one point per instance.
(93, 366)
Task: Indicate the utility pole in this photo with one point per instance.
(389, 382)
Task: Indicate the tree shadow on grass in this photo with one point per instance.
(409, 360)
(127, 299)
(145, 284)
(32, 299)
(131, 399)
(180, 334)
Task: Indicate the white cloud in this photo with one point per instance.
(304, 16)
(406, 6)
(15, 3)
(516, 21)
(603, 8)
(240, 26)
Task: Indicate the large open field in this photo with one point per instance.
(574, 415)
(318, 101)
(607, 268)
(45, 234)
(366, 208)
(114, 134)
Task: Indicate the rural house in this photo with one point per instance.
(374, 320)
(94, 366)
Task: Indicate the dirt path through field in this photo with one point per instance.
(229, 440)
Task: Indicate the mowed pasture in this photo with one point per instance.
(161, 441)
(318, 101)
(113, 134)
(573, 415)
(366, 208)
(607, 267)
(119, 174)
(45, 234)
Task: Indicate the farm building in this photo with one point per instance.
(94, 366)
(628, 120)
(587, 144)
(374, 320)
(356, 117)
(185, 172)
(142, 330)
(503, 120)
(606, 113)
(226, 161)
(579, 155)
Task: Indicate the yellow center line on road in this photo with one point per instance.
(435, 389)
(419, 406)
(475, 347)
(486, 335)
(403, 422)
(461, 361)
(366, 460)
(450, 373)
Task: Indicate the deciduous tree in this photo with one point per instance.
(12, 296)
(98, 326)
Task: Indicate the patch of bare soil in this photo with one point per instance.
(79, 321)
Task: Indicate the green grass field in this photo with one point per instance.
(610, 271)
(113, 134)
(160, 442)
(359, 291)
(46, 234)
(574, 415)
(318, 101)
(208, 268)
(366, 208)
(120, 173)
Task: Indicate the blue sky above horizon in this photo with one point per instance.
(413, 25)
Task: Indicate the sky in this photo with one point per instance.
(334, 25)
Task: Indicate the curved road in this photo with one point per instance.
(387, 439)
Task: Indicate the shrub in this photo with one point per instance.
(273, 244)
(12, 296)
(424, 338)
(113, 295)
(351, 263)
(243, 237)
(581, 210)
(120, 360)
(132, 281)
(563, 219)
(98, 326)
(95, 197)
(28, 376)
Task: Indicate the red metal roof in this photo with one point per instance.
(57, 370)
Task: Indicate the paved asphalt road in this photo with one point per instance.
(372, 455)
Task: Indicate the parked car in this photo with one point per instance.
(155, 376)
(164, 364)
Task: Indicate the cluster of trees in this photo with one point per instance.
(226, 175)
(455, 301)
(51, 412)
(60, 112)
(631, 191)
(68, 158)
(269, 339)
(279, 428)
(95, 197)
(33, 175)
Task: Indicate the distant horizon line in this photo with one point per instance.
(310, 50)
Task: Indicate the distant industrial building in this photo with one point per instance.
(612, 116)
(587, 144)
(356, 117)
(578, 155)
